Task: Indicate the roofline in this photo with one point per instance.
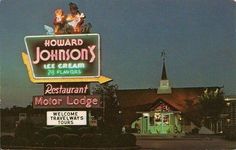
(196, 87)
(230, 98)
(139, 112)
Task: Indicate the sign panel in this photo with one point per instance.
(63, 101)
(93, 123)
(66, 88)
(64, 56)
(66, 118)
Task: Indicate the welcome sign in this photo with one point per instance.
(64, 56)
(66, 118)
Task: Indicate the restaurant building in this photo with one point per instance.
(231, 110)
(161, 110)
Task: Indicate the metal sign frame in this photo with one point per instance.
(69, 35)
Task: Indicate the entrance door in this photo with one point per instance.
(145, 125)
(162, 122)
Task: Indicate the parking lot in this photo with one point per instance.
(205, 143)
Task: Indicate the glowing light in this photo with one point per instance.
(64, 55)
(55, 101)
(68, 72)
(49, 66)
(55, 89)
(64, 72)
(228, 104)
(26, 60)
(71, 65)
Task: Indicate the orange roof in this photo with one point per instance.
(177, 99)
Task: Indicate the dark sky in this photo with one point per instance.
(199, 37)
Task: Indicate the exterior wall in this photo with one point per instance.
(231, 110)
(233, 113)
(148, 125)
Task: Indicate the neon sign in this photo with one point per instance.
(64, 56)
(70, 101)
(66, 88)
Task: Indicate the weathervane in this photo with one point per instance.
(163, 55)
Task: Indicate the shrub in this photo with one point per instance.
(126, 140)
(52, 140)
(111, 129)
(59, 130)
(21, 141)
(108, 140)
(87, 130)
(37, 139)
(90, 140)
(6, 140)
(25, 129)
(71, 140)
(131, 130)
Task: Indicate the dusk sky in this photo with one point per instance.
(199, 37)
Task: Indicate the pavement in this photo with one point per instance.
(188, 142)
(178, 137)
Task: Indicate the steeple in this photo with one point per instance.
(164, 75)
(164, 87)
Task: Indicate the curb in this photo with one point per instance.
(151, 137)
(171, 138)
(73, 148)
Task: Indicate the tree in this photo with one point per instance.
(25, 129)
(193, 112)
(211, 106)
(111, 111)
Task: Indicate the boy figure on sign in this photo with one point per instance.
(75, 19)
(72, 23)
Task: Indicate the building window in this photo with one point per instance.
(152, 120)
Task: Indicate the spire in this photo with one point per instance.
(164, 87)
(164, 75)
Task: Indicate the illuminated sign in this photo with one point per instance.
(64, 56)
(66, 88)
(63, 101)
(66, 118)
